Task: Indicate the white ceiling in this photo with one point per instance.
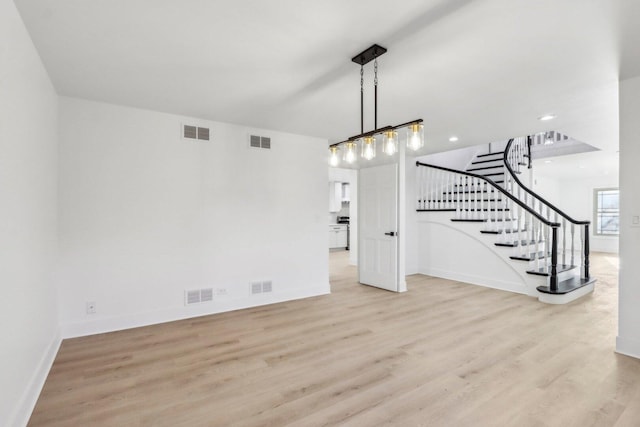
(483, 70)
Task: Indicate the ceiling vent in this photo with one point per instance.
(256, 141)
(195, 133)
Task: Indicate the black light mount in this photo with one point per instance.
(369, 54)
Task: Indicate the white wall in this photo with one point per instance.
(145, 215)
(628, 341)
(575, 198)
(411, 220)
(28, 192)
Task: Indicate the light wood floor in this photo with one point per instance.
(442, 354)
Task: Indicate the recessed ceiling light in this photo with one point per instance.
(547, 117)
(453, 139)
(582, 167)
(548, 161)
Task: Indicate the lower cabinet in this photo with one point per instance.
(338, 237)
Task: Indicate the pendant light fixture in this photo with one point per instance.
(390, 142)
(350, 148)
(415, 136)
(333, 156)
(389, 134)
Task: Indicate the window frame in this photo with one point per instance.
(597, 232)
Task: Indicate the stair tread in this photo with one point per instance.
(545, 271)
(500, 231)
(530, 257)
(484, 200)
(487, 161)
(468, 220)
(566, 286)
(435, 210)
(517, 243)
(491, 154)
(493, 174)
(486, 167)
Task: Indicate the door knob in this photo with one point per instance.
(391, 233)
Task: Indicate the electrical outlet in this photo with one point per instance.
(91, 307)
(221, 291)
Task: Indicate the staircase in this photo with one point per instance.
(553, 247)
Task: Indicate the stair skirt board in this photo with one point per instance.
(487, 282)
(489, 266)
(570, 288)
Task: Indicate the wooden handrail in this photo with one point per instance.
(494, 185)
(533, 193)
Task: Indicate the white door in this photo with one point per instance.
(378, 223)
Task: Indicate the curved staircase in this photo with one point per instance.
(553, 246)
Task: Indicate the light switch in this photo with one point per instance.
(635, 220)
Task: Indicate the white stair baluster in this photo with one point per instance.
(420, 179)
(458, 196)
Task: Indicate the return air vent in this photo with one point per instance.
(256, 141)
(206, 295)
(195, 132)
(256, 287)
(261, 287)
(196, 296)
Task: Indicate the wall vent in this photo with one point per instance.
(192, 297)
(196, 296)
(256, 287)
(206, 295)
(195, 132)
(266, 286)
(262, 287)
(256, 141)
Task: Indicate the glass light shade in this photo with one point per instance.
(334, 160)
(415, 136)
(390, 142)
(368, 147)
(350, 154)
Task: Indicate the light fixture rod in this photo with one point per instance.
(375, 92)
(375, 131)
(361, 98)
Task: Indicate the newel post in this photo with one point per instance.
(553, 280)
(586, 252)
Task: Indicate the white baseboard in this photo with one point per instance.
(628, 347)
(136, 320)
(488, 282)
(27, 402)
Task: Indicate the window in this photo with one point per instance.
(607, 211)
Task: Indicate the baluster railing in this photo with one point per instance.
(516, 151)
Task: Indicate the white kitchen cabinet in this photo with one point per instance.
(338, 236)
(335, 196)
(346, 192)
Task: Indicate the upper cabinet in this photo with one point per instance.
(335, 196)
(346, 192)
